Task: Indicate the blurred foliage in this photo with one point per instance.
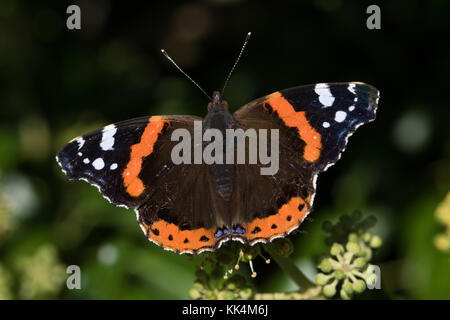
(42, 275)
(442, 240)
(5, 284)
(56, 84)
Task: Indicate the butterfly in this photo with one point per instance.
(192, 208)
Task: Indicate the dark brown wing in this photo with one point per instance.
(275, 205)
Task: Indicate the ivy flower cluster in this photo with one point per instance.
(346, 269)
(219, 277)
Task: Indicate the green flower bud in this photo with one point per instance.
(443, 210)
(347, 288)
(322, 279)
(359, 286)
(344, 295)
(360, 262)
(353, 247)
(194, 294)
(231, 286)
(225, 295)
(339, 274)
(198, 286)
(376, 242)
(353, 237)
(246, 293)
(336, 249)
(325, 265)
(329, 290)
(209, 294)
(442, 242)
(366, 253)
(366, 237)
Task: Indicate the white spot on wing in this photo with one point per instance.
(86, 160)
(351, 88)
(107, 142)
(340, 116)
(113, 166)
(326, 124)
(324, 93)
(81, 142)
(351, 108)
(60, 164)
(98, 164)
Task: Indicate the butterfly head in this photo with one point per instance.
(217, 104)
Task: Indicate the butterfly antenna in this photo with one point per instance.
(237, 60)
(181, 70)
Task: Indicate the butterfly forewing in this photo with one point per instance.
(324, 116)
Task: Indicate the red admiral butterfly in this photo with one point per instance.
(191, 208)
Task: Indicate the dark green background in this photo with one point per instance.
(56, 84)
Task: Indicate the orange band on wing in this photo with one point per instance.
(131, 181)
(171, 237)
(297, 120)
(288, 218)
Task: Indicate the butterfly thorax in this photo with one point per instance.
(218, 116)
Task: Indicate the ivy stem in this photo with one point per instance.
(289, 267)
